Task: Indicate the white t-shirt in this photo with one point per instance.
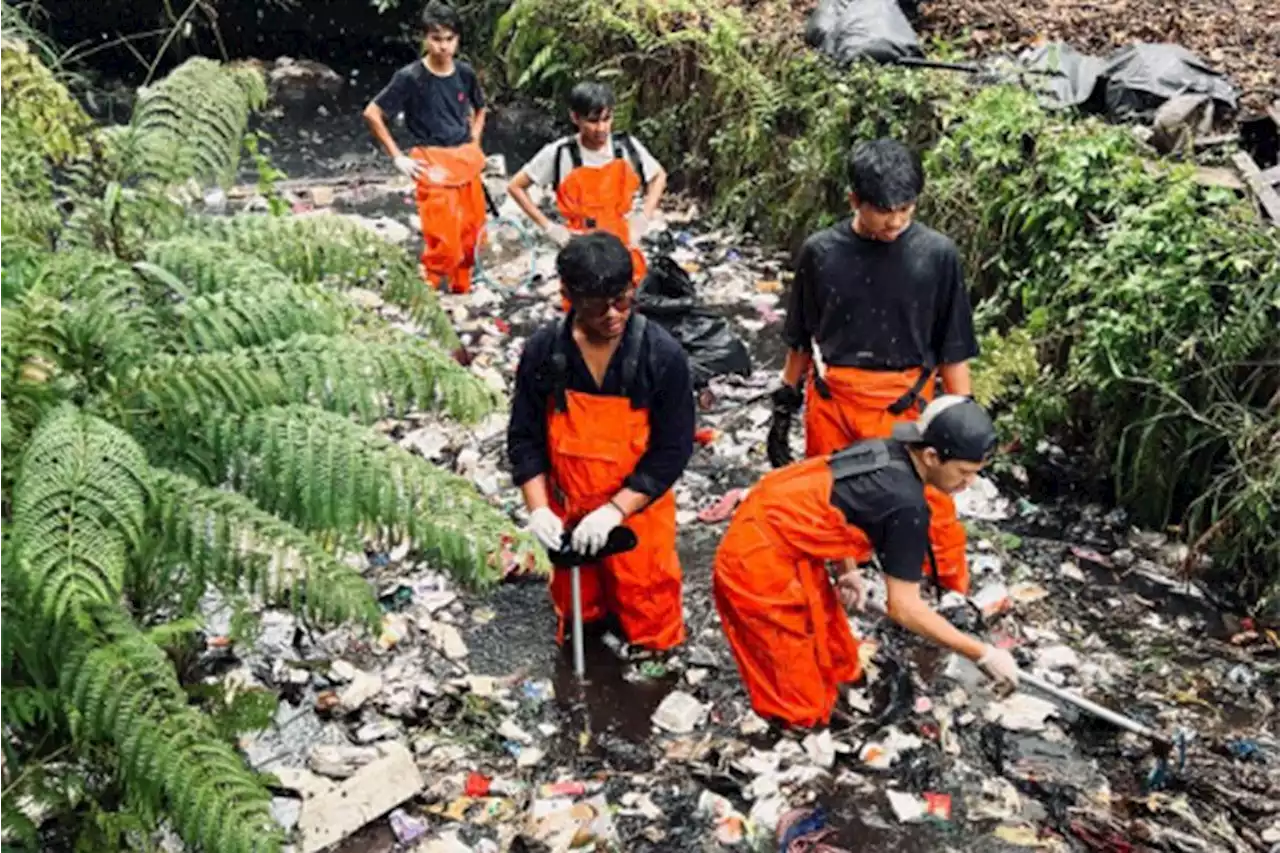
(542, 168)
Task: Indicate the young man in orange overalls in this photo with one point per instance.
(596, 174)
(601, 427)
(444, 111)
(883, 300)
(777, 605)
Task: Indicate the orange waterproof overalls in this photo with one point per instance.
(598, 198)
(781, 615)
(594, 442)
(848, 404)
(451, 207)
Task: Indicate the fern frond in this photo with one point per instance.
(79, 503)
(228, 540)
(210, 266)
(333, 249)
(168, 752)
(323, 472)
(191, 123)
(223, 321)
(341, 374)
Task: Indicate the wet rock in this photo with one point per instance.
(301, 84)
(376, 730)
(374, 790)
(304, 782)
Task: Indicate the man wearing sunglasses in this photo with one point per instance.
(601, 427)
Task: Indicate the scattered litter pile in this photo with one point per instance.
(461, 728)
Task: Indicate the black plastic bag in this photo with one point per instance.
(1076, 84)
(850, 30)
(667, 296)
(1143, 76)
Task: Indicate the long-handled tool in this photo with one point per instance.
(621, 539)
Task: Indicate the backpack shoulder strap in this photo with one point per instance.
(575, 159)
(631, 347)
(860, 458)
(553, 373)
(623, 144)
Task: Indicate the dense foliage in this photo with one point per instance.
(1129, 312)
(187, 407)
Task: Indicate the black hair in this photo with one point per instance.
(590, 98)
(441, 15)
(595, 265)
(885, 173)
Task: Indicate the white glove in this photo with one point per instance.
(559, 234)
(593, 531)
(547, 528)
(637, 227)
(1000, 665)
(409, 167)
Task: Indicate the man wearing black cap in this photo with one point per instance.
(779, 609)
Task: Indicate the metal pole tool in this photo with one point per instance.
(579, 661)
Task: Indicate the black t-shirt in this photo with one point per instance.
(880, 306)
(437, 110)
(662, 385)
(887, 504)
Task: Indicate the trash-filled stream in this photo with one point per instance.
(463, 728)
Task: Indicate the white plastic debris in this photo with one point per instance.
(992, 599)
(374, 790)
(363, 687)
(982, 501)
(882, 754)
(1057, 657)
(907, 808)
(679, 713)
(820, 748)
(1021, 712)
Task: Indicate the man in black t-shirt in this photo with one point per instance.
(878, 305)
(777, 605)
(444, 110)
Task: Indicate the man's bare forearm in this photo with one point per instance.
(795, 367)
(956, 378)
(517, 188)
(377, 122)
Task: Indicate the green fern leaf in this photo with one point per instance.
(335, 250)
(340, 374)
(79, 503)
(223, 537)
(325, 473)
(223, 321)
(191, 123)
(208, 266)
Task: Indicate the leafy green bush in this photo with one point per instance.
(187, 405)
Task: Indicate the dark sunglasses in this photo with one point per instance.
(600, 307)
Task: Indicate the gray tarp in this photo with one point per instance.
(1143, 76)
(851, 30)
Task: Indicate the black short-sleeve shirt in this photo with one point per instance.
(437, 110)
(888, 504)
(662, 384)
(880, 306)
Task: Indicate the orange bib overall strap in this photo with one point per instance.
(594, 442)
(598, 198)
(785, 625)
(849, 404)
(451, 207)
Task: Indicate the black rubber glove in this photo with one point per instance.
(787, 401)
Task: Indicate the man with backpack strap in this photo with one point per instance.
(601, 428)
(596, 175)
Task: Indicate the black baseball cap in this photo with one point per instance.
(953, 425)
